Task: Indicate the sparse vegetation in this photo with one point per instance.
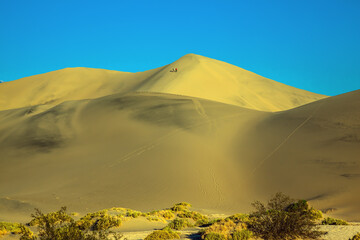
(183, 206)
(355, 237)
(162, 234)
(6, 227)
(99, 221)
(214, 236)
(223, 229)
(333, 221)
(280, 218)
(244, 234)
(283, 218)
(179, 224)
(245, 218)
(61, 226)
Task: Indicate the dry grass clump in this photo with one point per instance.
(192, 215)
(14, 228)
(223, 229)
(164, 214)
(162, 234)
(333, 221)
(239, 217)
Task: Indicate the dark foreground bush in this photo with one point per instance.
(61, 226)
(162, 235)
(355, 237)
(284, 218)
(333, 221)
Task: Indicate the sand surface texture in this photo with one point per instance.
(212, 134)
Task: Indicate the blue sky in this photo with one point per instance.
(313, 45)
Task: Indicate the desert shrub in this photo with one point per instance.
(333, 221)
(179, 224)
(53, 218)
(224, 227)
(3, 232)
(106, 222)
(153, 218)
(133, 213)
(162, 234)
(183, 206)
(244, 234)
(166, 214)
(26, 233)
(214, 236)
(99, 221)
(6, 227)
(283, 218)
(202, 222)
(304, 207)
(59, 225)
(239, 218)
(355, 237)
(191, 214)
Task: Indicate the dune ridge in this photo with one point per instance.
(198, 76)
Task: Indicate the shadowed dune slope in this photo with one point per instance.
(198, 76)
(146, 151)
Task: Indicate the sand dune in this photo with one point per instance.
(147, 150)
(198, 76)
(150, 150)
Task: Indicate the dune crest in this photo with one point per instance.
(197, 76)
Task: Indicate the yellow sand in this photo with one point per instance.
(147, 150)
(197, 76)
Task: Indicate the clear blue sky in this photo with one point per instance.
(309, 44)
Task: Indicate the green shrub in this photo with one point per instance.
(244, 234)
(333, 221)
(162, 234)
(179, 224)
(283, 218)
(355, 237)
(214, 236)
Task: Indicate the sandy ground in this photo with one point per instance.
(88, 150)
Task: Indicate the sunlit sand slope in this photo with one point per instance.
(146, 151)
(197, 76)
(312, 152)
